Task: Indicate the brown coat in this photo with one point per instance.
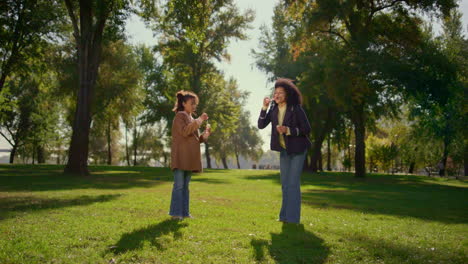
(185, 147)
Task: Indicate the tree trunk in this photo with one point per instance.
(316, 154)
(350, 149)
(320, 161)
(40, 155)
(328, 154)
(88, 36)
(224, 160)
(14, 53)
(348, 169)
(443, 166)
(33, 154)
(165, 156)
(109, 143)
(411, 167)
(359, 133)
(465, 158)
(207, 155)
(78, 153)
(237, 160)
(3, 78)
(196, 80)
(13, 153)
(135, 141)
(127, 152)
(320, 132)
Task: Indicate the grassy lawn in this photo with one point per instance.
(119, 215)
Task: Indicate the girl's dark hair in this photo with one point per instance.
(183, 96)
(293, 95)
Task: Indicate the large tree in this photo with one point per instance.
(224, 104)
(119, 89)
(89, 19)
(246, 141)
(193, 35)
(433, 77)
(365, 29)
(278, 58)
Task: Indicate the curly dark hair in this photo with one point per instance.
(183, 96)
(293, 95)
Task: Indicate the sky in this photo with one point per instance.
(242, 65)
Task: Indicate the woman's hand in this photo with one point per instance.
(282, 129)
(266, 101)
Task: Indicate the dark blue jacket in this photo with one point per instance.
(294, 118)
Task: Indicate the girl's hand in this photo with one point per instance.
(207, 132)
(266, 101)
(204, 117)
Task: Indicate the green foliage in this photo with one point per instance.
(159, 84)
(246, 139)
(232, 134)
(119, 96)
(151, 150)
(195, 33)
(367, 58)
(31, 122)
(192, 36)
(224, 107)
(27, 25)
(118, 86)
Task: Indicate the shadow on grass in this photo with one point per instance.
(152, 234)
(400, 195)
(11, 205)
(292, 245)
(380, 250)
(51, 177)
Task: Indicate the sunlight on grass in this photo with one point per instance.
(120, 215)
(115, 172)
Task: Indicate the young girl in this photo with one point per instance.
(289, 131)
(185, 151)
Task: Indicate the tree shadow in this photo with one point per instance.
(292, 245)
(406, 198)
(153, 234)
(379, 250)
(400, 195)
(11, 204)
(51, 177)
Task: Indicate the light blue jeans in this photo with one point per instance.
(290, 172)
(180, 193)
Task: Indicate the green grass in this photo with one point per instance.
(119, 215)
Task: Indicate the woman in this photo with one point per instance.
(289, 130)
(185, 151)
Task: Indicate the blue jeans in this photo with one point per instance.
(180, 193)
(290, 172)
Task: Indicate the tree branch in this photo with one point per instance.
(329, 31)
(380, 8)
(6, 138)
(101, 22)
(76, 31)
